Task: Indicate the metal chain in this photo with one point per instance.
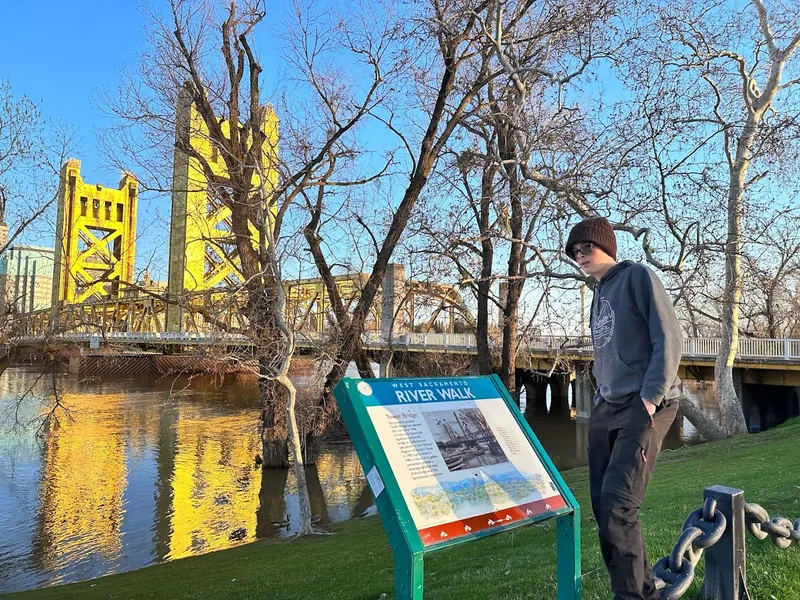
(702, 529)
(780, 530)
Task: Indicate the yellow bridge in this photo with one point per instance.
(94, 289)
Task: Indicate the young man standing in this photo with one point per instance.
(637, 351)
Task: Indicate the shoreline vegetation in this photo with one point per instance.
(355, 563)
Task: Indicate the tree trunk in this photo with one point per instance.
(364, 366)
(482, 328)
(327, 411)
(508, 153)
(274, 430)
(487, 264)
(297, 454)
(710, 430)
(730, 406)
(508, 355)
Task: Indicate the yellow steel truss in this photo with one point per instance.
(95, 237)
(210, 256)
(203, 253)
(308, 306)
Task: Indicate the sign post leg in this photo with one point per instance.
(568, 531)
(408, 572)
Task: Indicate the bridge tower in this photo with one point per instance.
(202, 251)
(95, 237)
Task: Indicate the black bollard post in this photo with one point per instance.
(726, 572)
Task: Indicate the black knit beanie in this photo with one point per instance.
(596, 230)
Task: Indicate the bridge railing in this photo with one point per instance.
(749, 348)
(755, 348)
(785, 349)
(700, 346)
(448, 340)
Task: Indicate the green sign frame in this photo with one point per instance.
(404, 538)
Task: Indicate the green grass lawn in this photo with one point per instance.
(355, 563)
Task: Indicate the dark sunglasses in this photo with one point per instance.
(583, 249)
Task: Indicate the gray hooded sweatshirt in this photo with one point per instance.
(636, 335)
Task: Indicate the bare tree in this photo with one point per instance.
(539, 52)
(744, 58)
(21, 151)
(452, 63)
(772, 275)
(208, 54)
(465, 230)
(31, 153)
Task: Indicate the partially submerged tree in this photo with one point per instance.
(205, 57)
(451, 64)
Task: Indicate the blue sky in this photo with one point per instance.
(61, 53)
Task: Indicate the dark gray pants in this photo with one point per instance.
(624, 442)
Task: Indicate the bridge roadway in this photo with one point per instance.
(781, 354)
(766, 371)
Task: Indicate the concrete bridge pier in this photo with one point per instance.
(583, 391)
(794, 403)
(559, 394)
(769, 405)
(535, 394)
(391, 298)
(765, 404)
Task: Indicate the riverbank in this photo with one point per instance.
(355, 563)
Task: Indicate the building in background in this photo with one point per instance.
(3, 226)
(26, 278)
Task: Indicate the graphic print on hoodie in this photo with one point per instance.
(636, 335)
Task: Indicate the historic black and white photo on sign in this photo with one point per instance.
(464, 439)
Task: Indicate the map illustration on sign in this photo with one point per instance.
(461, 460)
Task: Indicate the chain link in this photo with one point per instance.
(702, 529)
(781, 531)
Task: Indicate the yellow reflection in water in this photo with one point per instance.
(84, 477)
(207, 489)
(215, 487)
(340, 480)
(338, 469)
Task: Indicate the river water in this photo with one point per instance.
(147, 470)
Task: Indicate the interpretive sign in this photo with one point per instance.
(452, 459)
